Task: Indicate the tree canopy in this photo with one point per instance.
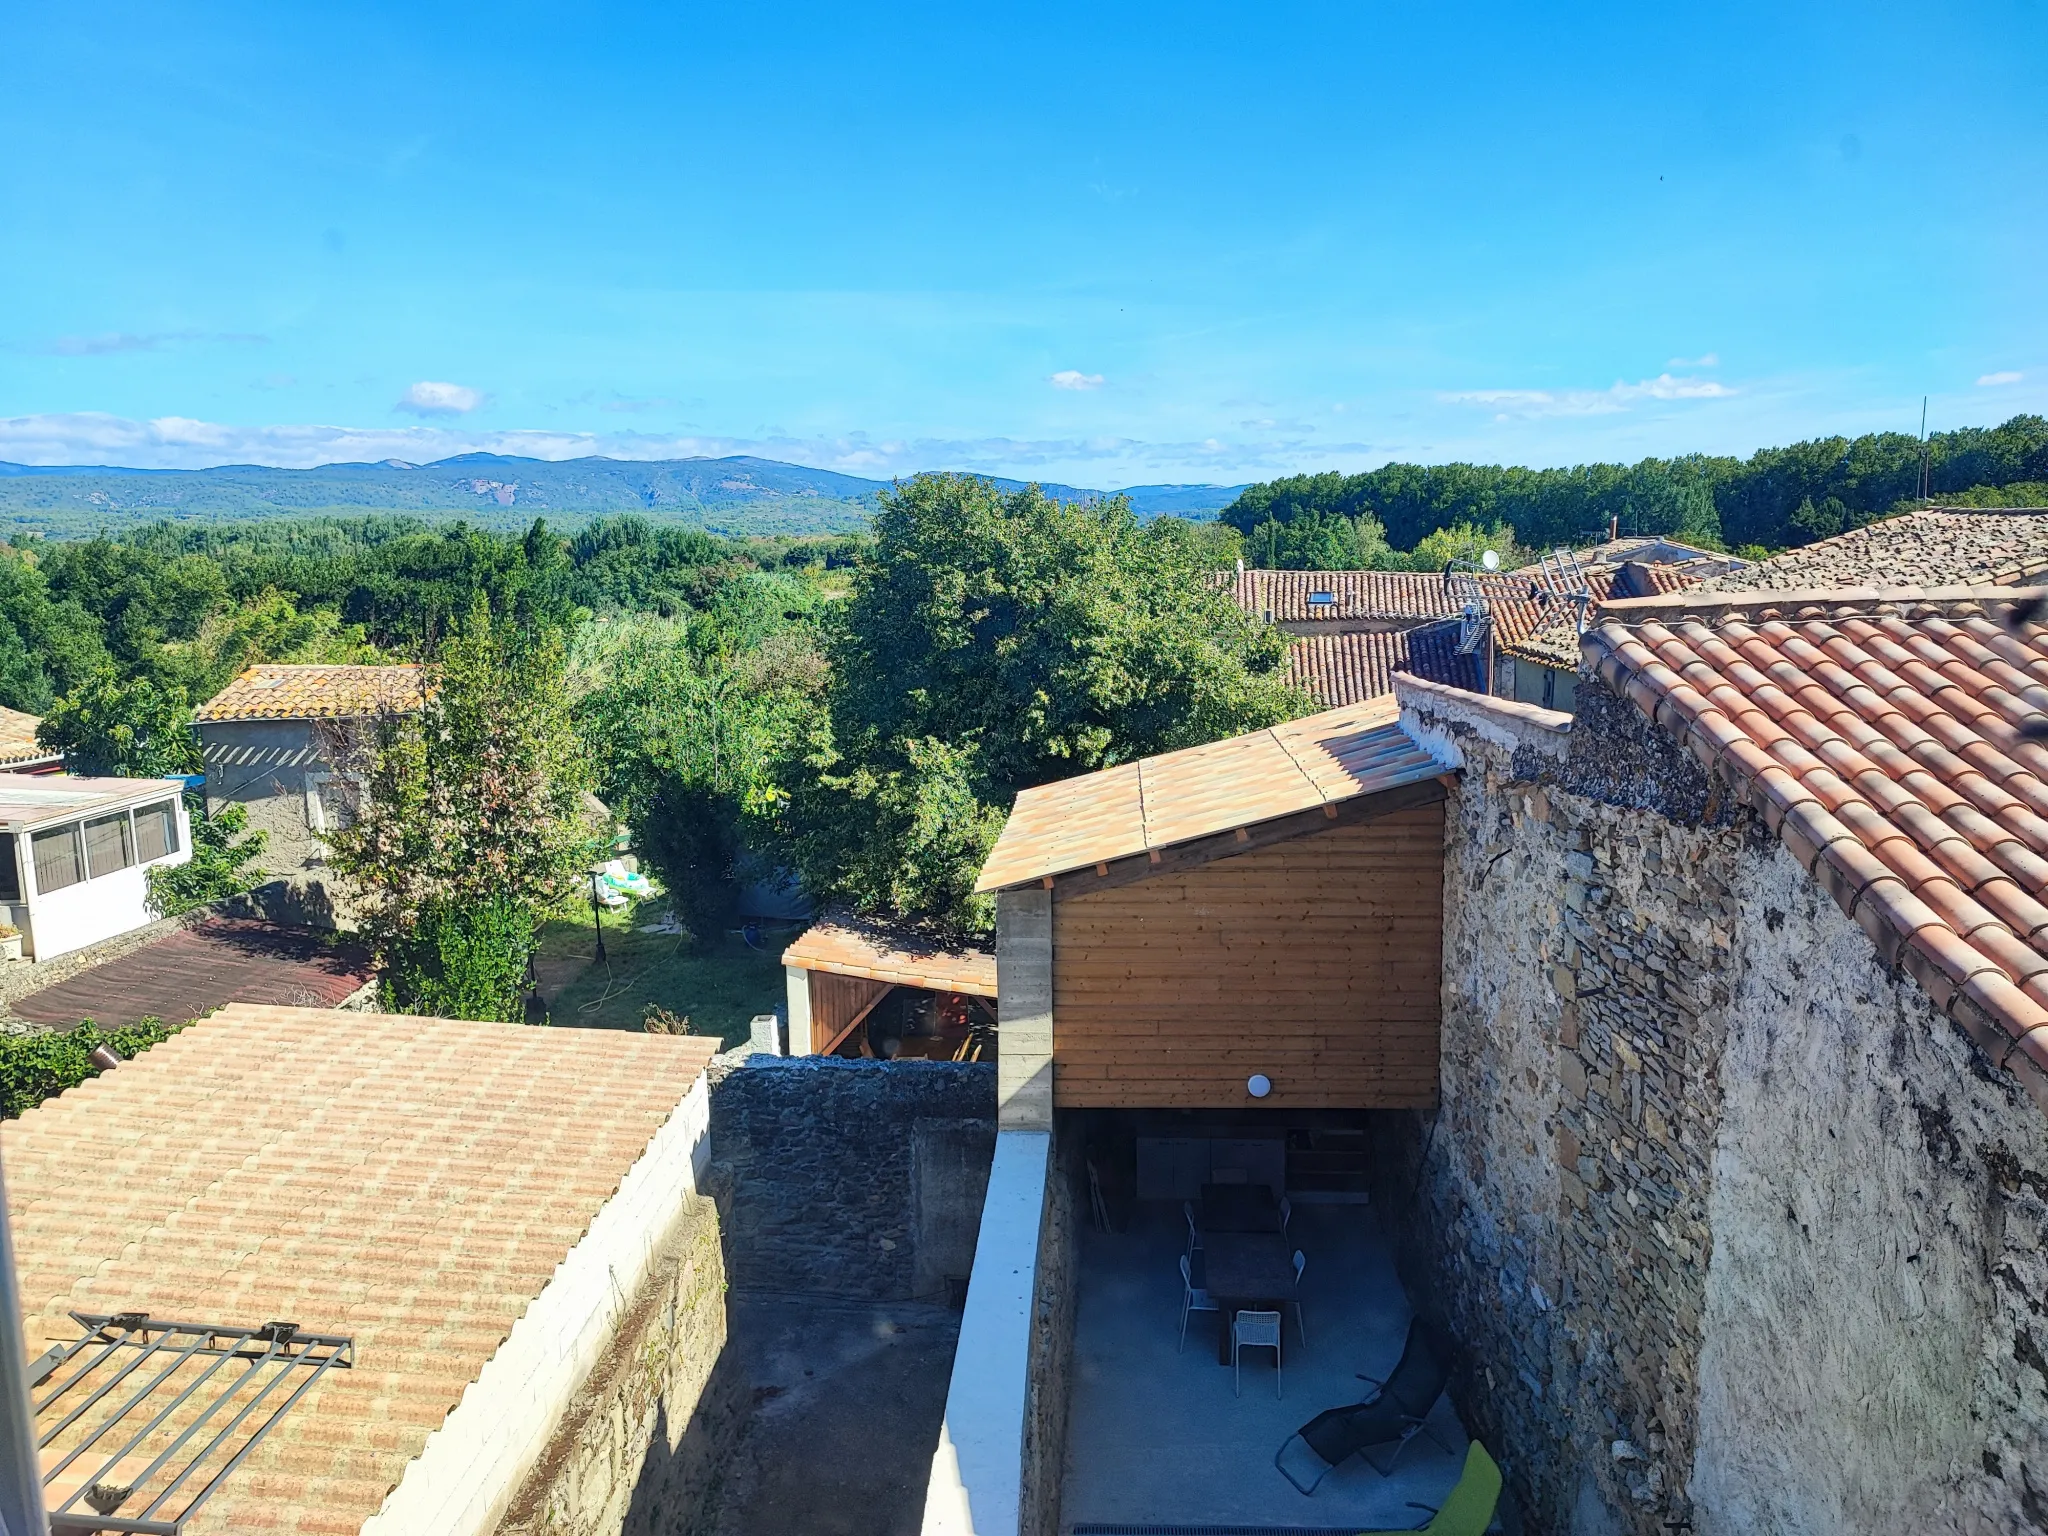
(997, 640)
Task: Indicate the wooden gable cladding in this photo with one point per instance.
(838, 1005)
(1317, 961)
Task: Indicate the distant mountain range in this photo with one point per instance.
(734, 495)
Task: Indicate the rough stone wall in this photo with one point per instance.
(851, 1178)
(641, 1448)
(1740, 1232)
(1566, 1188)
(1874, 1307)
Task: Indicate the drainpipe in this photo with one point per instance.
(21, 1477)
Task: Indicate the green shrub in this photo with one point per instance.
(37, 1067)
(462, 962)
(218, 868)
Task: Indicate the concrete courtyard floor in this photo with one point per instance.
(846, 1399)
(1156, 1438)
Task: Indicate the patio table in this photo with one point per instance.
(1245, 1270)
(1239, 1208)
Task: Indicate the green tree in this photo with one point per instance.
(687, 720)
(132, 729)
(996, 640)
(470, 808)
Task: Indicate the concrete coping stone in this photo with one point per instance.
(1435, 714)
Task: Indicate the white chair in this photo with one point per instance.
(1192, 1299)
(1254, 1330)
(1286, 1214)
(1187, 1209)
(1300, 1263)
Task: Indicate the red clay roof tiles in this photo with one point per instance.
(1880, 736)
(848, 945)
(1932, 547)
(1350, 668)
(313, 692)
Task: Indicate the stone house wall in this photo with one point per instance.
(851, 1178)
(1637, 985)
(1874, 1325)
(641, 1448)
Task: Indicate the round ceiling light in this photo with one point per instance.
(1258, 1085)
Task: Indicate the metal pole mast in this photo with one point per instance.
(21, 1476)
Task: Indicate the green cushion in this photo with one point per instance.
(1469, 1509)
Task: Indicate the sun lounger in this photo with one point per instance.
(1392, 1416)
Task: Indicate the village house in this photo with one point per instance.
(1725, 1165)
(20, 752)
(308, 1271)
(1512, 633)
(75, 856)
(279, 741)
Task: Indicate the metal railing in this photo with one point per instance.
(152, 1416)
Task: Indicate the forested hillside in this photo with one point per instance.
(1774, 499)
(739, 496)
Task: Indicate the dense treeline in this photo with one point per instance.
(862, 711)
(1776, 498)
(185, 608)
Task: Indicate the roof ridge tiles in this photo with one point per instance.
(1878, 733)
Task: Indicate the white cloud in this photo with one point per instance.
(1991, 380)
(1073, 378)
(1704, 360)
(1529, 403)
(428, 398)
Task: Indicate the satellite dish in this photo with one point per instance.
(1491, 560)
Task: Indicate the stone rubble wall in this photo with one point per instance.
(1739, 1232)
(1875, 1304)
(1563, 1209)
(861, 1179)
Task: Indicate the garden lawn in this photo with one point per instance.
(719, 983)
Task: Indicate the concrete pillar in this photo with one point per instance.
(1024, 1003)
(799, 981)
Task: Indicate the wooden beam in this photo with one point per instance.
(1223, 845)
(852, 1024)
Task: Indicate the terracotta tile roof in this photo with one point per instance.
(1157, 802)
(412, 1182)
(314, 693)
(18, 739)
(1352, 667)
(1878, 734)
(1291, 597)
(848, 945)
(1928, 548)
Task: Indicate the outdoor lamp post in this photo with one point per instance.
(596, 907)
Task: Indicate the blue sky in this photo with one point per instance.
(1100, 245)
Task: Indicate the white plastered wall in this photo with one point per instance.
(464, 1479)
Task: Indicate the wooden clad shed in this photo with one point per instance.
(1268, 906)
(842, 967)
